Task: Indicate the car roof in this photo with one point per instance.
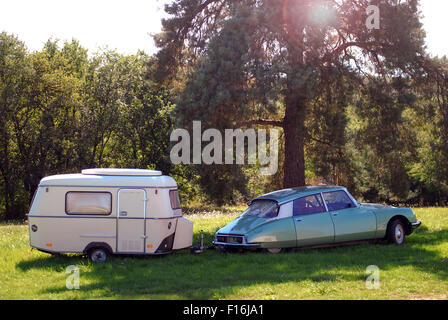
(287, 195)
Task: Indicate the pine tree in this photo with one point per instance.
(263, 62)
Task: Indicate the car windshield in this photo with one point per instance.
(262, 209)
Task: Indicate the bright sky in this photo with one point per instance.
(122, 25)
(127, 25)
(435, 23)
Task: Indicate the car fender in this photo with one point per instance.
(275, 233)
(384, 216)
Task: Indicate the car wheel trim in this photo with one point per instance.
(399, 232)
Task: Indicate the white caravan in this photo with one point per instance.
(108, 211)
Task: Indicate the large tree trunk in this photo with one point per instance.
(294, 129)
(295, 113)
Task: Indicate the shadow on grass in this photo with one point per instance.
(213, 274)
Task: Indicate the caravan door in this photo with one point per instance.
(131, 233)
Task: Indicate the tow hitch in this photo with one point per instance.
(199, 248)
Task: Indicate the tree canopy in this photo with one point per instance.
(63, 111)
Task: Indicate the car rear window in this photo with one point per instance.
(262, 209)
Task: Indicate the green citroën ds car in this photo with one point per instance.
(311, 217)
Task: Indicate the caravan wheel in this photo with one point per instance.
(98, 254)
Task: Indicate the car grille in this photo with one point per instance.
(230, 238)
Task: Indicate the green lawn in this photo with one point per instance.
(417, 270)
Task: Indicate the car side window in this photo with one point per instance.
(338, 200)
(308, 205)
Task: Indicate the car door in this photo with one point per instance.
(351, 222)
(313, 223)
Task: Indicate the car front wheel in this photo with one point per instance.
(396, 232)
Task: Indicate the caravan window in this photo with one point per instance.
(174, 198)
(88, 203)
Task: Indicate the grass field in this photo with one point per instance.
(417, 270)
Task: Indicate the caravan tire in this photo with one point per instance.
(98, 254)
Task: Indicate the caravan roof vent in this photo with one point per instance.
(122, 172)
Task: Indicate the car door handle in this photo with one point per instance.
(335, 214)
(299, 219)
(123, 213)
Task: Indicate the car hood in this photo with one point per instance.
(242, 225)
(374, 206)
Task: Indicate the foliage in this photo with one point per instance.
(63, 111)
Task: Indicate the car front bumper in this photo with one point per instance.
(241, 243)
(415, 225)
(236, 245)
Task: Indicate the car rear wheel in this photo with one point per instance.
(98, 255)
(396, 232)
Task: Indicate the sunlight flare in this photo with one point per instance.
(321, 13)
